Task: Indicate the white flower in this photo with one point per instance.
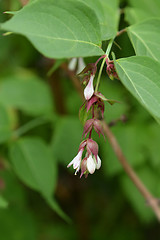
(81, 65)
(76, 161)
(72, 64)
(89, 89)
(76, 62)
(91, 165)
(98, 163)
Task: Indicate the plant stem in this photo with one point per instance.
(120, 32)
(99, 74)
(30, 125)
(109, 47)
(103, 62)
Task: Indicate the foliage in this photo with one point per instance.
(39, 127)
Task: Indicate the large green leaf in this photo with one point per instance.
(141, 76)
(135, 15)
(152, 7)
(108, 15)
(28, 94)
(145, 37)
(5, 124)
(58, 29)
(33, 163)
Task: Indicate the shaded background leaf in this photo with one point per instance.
(3, 202)
(34, 165)
(5, 124)
(29, 94)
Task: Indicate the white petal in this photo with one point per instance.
(89, 90)
(91, 166)
(77, 160)
(77, 170)
(98, 165)
(70, 163)
(81, 65)
(72, 64)
(76, 163)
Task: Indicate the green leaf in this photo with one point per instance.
(145, 37)
(141, 76)
(58, 29)
(152, 7)
(3, 202)
(34, 165)
(28, 94)
(5, 124)
(135, 15)
(108, 15)
(55, 206)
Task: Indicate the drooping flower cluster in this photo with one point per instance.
(87, 159)
(91, 160)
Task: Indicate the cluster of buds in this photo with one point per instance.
(87, 159)
(111, 70)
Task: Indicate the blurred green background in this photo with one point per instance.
(106, 205)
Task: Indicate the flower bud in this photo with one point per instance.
(88, 126)
(98, 127)
(92, 147)
(89, 89)
(83, 166)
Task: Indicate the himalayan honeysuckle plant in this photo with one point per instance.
(81, 39)
(94, 104)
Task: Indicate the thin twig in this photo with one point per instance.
(120, 32)
(151, 201)
(130, 172)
